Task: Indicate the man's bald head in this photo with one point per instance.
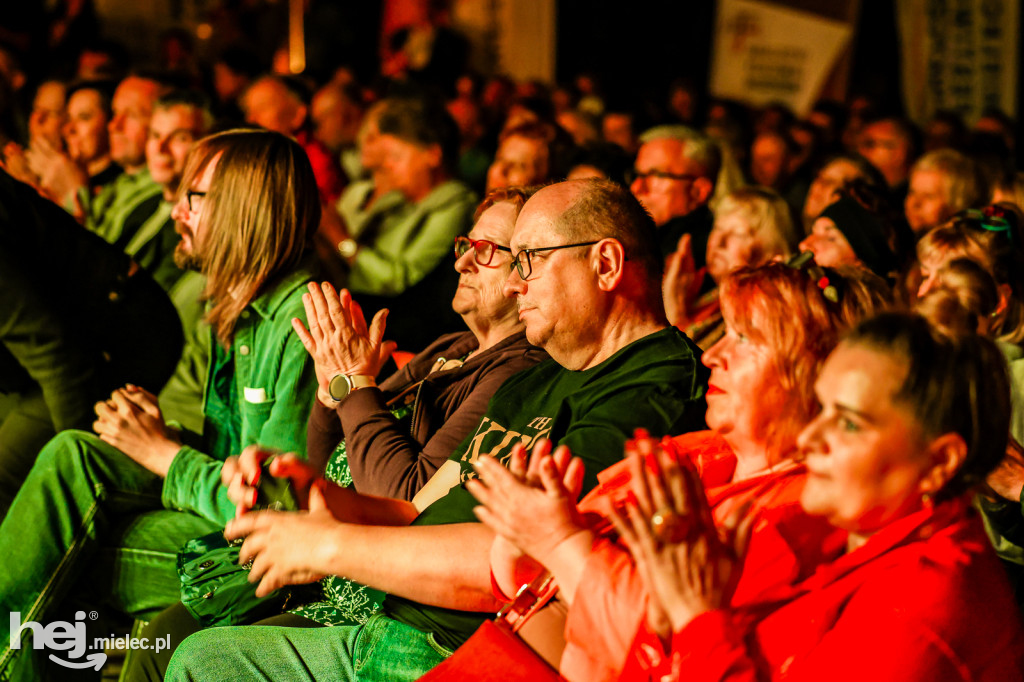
(592, 209)
(588, 259)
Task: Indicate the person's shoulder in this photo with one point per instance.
(667, 355)
(949, 593)
(450, 193)
(943, 576)
(353, 198)
(281, 299)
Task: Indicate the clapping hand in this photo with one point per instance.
(59, 177)
(680, 286)
(688, 565)
(1007, 479)
(338, 339)
(532, 509)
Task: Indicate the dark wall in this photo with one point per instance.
(637, 46)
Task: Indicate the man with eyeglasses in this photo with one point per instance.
(586, 276)
(179, 119)
(674, 178)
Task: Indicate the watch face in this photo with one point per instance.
(348, 247)
(340, 387)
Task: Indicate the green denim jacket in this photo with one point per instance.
(272, 383)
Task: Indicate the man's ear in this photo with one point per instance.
(436, 155)
(610, 260)
(701, 189)
(946, 455)
(299, 117)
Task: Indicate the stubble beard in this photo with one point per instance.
(187, 259)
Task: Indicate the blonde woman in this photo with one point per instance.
(752, 226)
(942, 183)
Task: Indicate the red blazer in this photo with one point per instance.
(923, 599)
(611, 601)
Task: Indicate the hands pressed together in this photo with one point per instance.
(49, 170)
(688, 565)
(132, 422)
(338, 338)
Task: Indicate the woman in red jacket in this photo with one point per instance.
(910, 422)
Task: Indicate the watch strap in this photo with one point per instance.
(342, 385)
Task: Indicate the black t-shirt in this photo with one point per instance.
(657, 383)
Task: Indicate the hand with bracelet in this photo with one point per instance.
(347, 355)
(531, 507)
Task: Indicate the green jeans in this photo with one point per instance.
(381, 649)
(87, 524)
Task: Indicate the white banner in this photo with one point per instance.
(765, 53)
(959, 55)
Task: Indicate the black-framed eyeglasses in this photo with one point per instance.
(637, 174)
(189, 195)
(523, 261)
(483, 249)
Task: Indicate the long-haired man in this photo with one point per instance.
(247, 209)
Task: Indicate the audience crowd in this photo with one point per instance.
(437, 375)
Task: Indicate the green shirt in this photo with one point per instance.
(181, 399)
(153, 241)
(400, 242)
(258, 391)
(107, 212)
(656, 383)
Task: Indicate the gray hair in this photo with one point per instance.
(963, 183)
(697, 147)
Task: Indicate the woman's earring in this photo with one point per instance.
(926, 500)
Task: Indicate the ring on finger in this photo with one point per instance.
(668, 526)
